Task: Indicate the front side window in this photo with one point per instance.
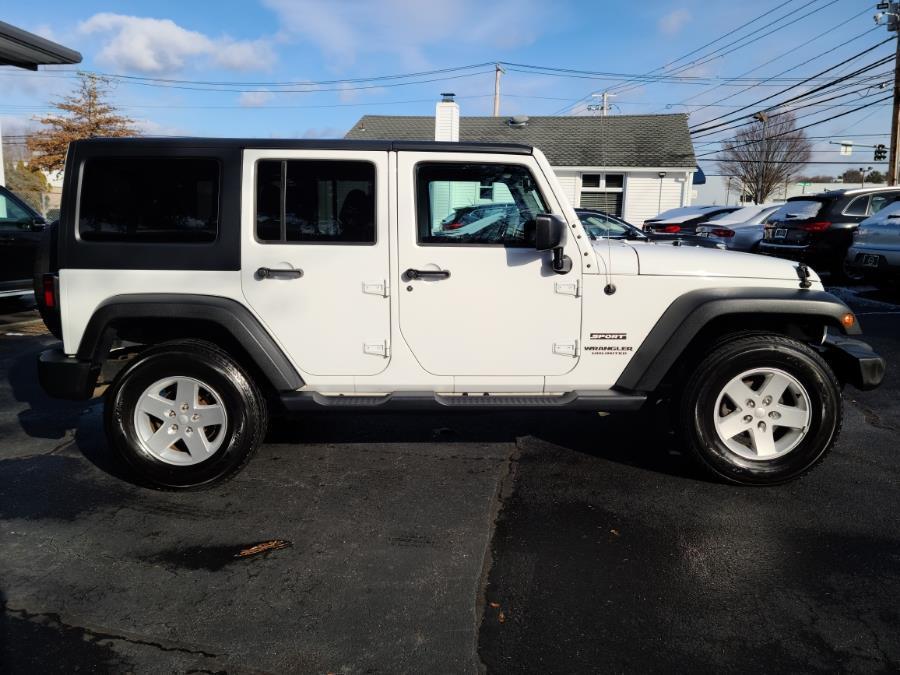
(476, 204)
(880, 201)
(149, 200)
(315, 201)
(13, 216)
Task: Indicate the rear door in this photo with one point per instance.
(314, 256)
(479, 300)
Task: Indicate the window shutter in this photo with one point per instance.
(611, 202)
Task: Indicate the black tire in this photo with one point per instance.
(741, 354)
(245, 407)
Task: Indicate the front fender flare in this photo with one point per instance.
(689, 313)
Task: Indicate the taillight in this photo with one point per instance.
(670, 229)
(49, 287)
(818, 226)
(453, 226)
(722, 232)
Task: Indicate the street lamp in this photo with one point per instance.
(863, 173)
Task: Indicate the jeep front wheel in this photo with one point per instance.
(761, 410)
(184, 415)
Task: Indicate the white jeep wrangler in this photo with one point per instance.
(248, 276)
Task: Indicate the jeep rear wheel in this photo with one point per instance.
(761, 410)
(184, 415)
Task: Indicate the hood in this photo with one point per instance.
(691, 261)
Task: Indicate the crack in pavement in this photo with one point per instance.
(54, 620)
(505, 487)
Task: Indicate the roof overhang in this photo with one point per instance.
(26, 50)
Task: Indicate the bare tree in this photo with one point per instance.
(766, 154)
(89, 115)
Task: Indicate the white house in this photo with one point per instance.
(634, 166)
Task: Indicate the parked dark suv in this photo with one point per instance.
(20, 234)
(818, 229)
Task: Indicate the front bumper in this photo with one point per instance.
(854, 361)
(66, 377)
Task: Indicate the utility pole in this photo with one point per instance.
(2, 172)
(498, 71)
(891, 11)
(763, 151)
(604, 106)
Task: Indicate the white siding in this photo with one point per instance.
(569, 182)
(646, 195)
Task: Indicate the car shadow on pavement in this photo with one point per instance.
(634, 439)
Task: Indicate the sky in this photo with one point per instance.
(250, 49)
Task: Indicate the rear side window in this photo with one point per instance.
(802, 209)
(858, 207)
(149, 200)
(313, 201)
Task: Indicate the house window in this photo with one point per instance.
(605, 192)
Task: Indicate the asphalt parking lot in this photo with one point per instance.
(390, 543)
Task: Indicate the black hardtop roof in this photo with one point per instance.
(841, 192)
(149, 142)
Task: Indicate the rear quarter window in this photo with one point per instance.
(149, 200)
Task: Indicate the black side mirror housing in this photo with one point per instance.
(549, 231)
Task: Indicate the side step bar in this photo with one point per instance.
(601, 401)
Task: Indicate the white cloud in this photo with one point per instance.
(254, 99)
(160, 46)
(674, 21)
(406, 28)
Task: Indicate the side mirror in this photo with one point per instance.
(549, 231)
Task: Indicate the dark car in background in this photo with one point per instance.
(600, 225)
(684, 220)
(21, 229)
(818, 229)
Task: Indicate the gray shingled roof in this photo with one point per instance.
(617, 140)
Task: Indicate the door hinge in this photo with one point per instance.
(568, 287)
(382, 349)
(376, 288)
(566, 348)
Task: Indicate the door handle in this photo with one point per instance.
(270, 273)
(426, 274)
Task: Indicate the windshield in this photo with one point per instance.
(686, 211)
(801, 209)
(599, 226)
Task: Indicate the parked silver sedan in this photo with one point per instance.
(875, 252)
(740, 230)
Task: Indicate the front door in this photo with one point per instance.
(476, 298)
(18, 243)
(315, 256)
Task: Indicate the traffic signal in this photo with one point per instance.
(880, 152)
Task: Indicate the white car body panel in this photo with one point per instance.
(503, 322)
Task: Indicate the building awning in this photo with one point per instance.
(27, 50)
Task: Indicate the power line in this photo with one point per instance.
(737, 123)
(755, 104)
(793, 50)
(691, 53)
(807, 126)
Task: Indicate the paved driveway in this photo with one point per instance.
(541, 543)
